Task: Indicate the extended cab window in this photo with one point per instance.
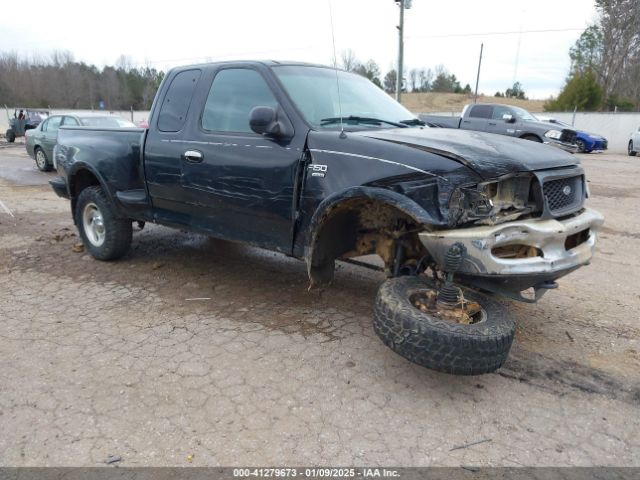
(233, 94)
(480, 111)
(175, 105)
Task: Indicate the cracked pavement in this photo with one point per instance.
(191, 346)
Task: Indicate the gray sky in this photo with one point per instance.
(165, 34)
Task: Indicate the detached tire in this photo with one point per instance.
(105, 235)
(10, 135)
(439, 344)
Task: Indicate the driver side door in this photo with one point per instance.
(240, 184)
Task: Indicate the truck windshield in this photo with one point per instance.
(522, 114)
(315, 92)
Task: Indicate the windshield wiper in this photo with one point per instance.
(365, 120)
(414, 122)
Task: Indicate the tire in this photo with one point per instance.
(42, 162)
(630, 150)
(440, 344)
(104, 235)
(10, 135)
(582, 148)
(532, 138)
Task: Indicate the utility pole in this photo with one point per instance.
(475, 96)
(403, 4)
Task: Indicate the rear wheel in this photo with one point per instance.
(630, 149)
(105, 235)
(10, 135)
(42, 162)
(447, 341)
(582, 148)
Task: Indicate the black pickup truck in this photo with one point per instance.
(322, 165)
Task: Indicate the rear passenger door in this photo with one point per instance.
(477, 118)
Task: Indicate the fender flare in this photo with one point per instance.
(82, 166)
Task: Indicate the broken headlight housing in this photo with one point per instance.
(554, 134)
(493, 202)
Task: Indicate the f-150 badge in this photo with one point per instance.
(318, 170)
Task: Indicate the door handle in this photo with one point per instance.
(192, 156)
(492, 124)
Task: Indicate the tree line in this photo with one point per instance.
(422, 79)
(413, 80)
(605, 62)
(58, 81)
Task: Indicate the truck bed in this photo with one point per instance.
(113, 155)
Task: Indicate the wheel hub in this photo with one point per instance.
(461, 311)
(93, 224)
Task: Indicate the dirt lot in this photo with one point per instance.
(192, 351)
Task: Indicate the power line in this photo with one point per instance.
(480, 34)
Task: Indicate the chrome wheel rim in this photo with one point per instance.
(41, 161)
(93, 224)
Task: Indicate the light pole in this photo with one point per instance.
(403, 4)
(475, 95)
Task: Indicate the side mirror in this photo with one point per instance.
(264, 121)
(507, 117)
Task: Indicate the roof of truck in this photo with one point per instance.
(268, 63)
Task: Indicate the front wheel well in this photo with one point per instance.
(531, 136)
(363, 226)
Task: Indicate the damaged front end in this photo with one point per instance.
(518, 232)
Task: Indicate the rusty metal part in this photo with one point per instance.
(464, 311)
(516, 251)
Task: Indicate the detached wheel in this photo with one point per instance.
(42, 162)
(104, 234)
(436, 341)
(10, 135)
(630, 150)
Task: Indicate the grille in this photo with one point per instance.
(563, 195)
(568, 136)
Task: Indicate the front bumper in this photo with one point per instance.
(557, 256)
(567, 147)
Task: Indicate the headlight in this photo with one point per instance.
(555, 134)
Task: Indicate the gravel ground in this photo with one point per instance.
(193, 351)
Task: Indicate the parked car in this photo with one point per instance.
(507, 120)
(585, 141)
(41, 140)
(634, 143)
(268, 154)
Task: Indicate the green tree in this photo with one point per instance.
(516, 91)
(582, 91)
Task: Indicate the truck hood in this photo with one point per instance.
(487, 154)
